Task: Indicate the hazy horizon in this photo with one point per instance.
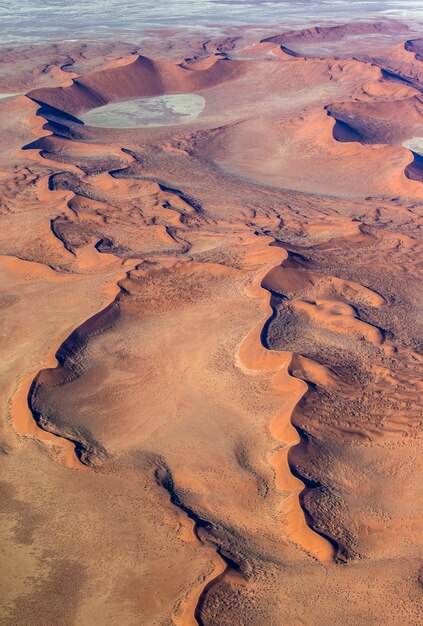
(42, 20)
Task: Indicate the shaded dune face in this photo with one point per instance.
(415, 46)
(414, 170)
(242, 404)
(140, 78)
(380, 122)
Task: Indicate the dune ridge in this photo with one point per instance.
(232, 348)
(254, 355)
(225, 566)
(67, 368)
(90, 453)
(60, 363)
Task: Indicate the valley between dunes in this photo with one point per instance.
(211, 334)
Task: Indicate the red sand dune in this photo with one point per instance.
(212, 338)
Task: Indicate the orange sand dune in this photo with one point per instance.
(211, 333)
(299, 154)
(142, 77)
(377, 122)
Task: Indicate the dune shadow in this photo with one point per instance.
(414, 171)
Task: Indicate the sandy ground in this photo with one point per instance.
(211, 334)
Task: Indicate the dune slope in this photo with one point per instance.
(212, 340)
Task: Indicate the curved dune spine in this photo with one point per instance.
(27, 419)
(223, 565)
(254, 356)
(66, 371)
(24, 423)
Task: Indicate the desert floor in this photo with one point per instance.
(210, 397)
